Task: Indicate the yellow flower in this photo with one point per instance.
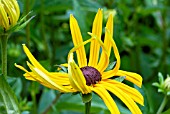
(87, 77)
(9, 13)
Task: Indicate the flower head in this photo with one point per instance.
(163, 85)
(90, 76)
(167, 83)
(9, 13)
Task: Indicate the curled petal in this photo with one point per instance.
(105, 61)
(107, 44)
(78, 46)
(111, 73)
(76, 77)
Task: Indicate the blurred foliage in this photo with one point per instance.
(141, 32)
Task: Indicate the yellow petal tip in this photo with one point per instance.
(15, 64)
(71, 15)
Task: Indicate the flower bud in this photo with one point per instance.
(163, 85)
(9, 13)
(167, 83)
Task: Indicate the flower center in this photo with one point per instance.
(91, 75)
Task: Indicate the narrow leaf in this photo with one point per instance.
(120, 79)
(8, 100)
(111, 66)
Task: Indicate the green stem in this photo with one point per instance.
(87, 107)
(28, 25)
(55, 100)
(33, 96)
(42, 22)
(163, 104)
(4, 40)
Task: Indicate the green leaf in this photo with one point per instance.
(160, 90)
(111, 66)
(16, 85)
(120, 79)
(86, 97)
(73, 103)
(168, 93)
(167, 111)
(146, 109)
(44, 102)
(62, 68)
(21, 24)
(8, 101)
(156, 84)
(24, 24)
(161, 78)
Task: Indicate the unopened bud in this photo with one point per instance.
(9, 13)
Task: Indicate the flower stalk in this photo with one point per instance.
(163, 104)
(87, 107)
(4, 40)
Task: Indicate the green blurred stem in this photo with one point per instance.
(27, 5)
(47, 48)
(55, 100)
(4, 40)
(165, 41)
(33, 96)
(163, 104)
(87, 107)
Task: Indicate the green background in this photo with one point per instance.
(141, 32)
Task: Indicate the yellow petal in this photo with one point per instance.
(34, 61)
(16, 6)
(76, 77)
(10, 10)
(108, 100)
(133, 93)
(130, 76)
(3, 14)
(111, 73)
(94, 47)
(105, 61)
(33, 77)
(77, 39)
(58, 77)
(78, 46)
(47, 81)
(126, 99)
(29, 76)
(107, 44)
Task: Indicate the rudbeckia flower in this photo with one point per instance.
(9, 13)
(90, 76)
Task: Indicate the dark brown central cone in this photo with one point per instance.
(91, 75)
